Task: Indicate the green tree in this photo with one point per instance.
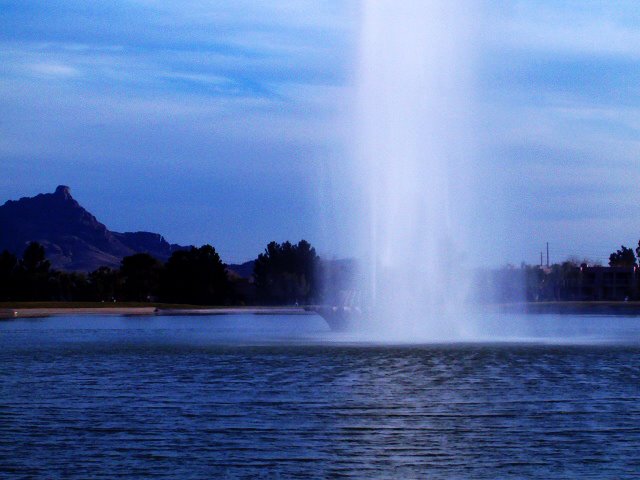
(141, 277)
(32, 275)
(196, 276)
(69, 286)
(8, 267)
(622, 258)
(105, 284)
(34, 260)
(286, 273)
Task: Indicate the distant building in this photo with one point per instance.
(564, 282)
(569, 282)
(607, 283)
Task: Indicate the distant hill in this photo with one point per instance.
(73, 238)
(244, 270)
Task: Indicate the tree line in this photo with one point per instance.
(283, 274)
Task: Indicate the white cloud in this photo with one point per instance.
(52, 69)
(568, 28)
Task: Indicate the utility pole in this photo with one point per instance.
(547, 254)
(541, 260)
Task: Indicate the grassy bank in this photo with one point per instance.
(30, 305)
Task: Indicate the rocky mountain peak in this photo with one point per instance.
(63, 191)
(73, 238)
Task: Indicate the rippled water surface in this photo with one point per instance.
(281, 397)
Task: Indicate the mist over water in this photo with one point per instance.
(414, 159)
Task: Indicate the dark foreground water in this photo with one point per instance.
(280, 397)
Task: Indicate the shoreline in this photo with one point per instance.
(631, 308)
(7, 313)
(46, 309)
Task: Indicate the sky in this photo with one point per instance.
(229, 122)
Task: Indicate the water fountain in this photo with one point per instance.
(413, 157)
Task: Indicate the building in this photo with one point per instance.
(607, 283)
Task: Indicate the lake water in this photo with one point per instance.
(282, 397)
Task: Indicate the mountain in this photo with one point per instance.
(74, 239)
(243, 270)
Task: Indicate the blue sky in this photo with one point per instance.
(227, 122)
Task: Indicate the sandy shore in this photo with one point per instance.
(45, 312)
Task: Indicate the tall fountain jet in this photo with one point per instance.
(413, 159)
